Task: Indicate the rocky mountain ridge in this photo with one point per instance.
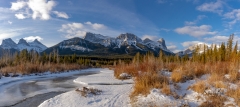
(94, 44)
(23, 44)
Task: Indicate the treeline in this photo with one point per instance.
(26, 62)
(224, 52)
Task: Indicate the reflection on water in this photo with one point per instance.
(17, 92)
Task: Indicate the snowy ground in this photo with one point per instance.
(115, 92)
(186, 97)
(12, 88)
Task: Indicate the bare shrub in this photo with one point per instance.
(85, 92)
(145, 82)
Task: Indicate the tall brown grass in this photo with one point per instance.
(199, 87)
(234, 93)
(144, 83)
(28, 68)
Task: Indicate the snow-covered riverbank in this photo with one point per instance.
(115, 92)
(16, 89)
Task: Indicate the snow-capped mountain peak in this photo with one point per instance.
(160, 44)
(23, 44)
(8, 44)
(98, 38)
(129, 37)
(37, 46)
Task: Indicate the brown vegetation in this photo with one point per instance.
(216, 62)
(234, 93)
(199, 87)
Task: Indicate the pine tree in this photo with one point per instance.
(229, 46)
(222, 52)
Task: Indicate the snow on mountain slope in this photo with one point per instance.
(8, 44)
(75, 47)
(160, 44)
(75, 44)
(128, 39)
(38, 46)
(98, 38)
(23, 44)
(200, 47)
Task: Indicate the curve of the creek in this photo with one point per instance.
(32, 92)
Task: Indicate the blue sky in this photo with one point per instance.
(181, 23)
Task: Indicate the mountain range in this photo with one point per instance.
(93, 44)
(189, 51)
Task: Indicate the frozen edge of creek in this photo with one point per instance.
(115, 92)
(7, 82)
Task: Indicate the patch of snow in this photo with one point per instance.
(125, 75)
(76, 47)
(155, 98)
(106, 77)
(112, 95)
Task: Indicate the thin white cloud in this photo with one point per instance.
(61, 14)
(215, 7)
(217, 39)
(234, 15)
(196, 31)
(79, 29)
(199, 18)
(161, 1)
(32, 38)
(164, 29)
(20, 16)
(7, 35)
(95, 26)
(173, 48)
(187, 44)
(73, 30)
(220, 39)
(10, 22)
(11, 33)
(5, 13)
(154, 38)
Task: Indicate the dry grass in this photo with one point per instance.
(28, 68)
(144, 83)
(219, 84)
(234, 93)
(177, 76)
(199, 87)
(166, 89)
(214, 77)
(234, 75)
(214, 101)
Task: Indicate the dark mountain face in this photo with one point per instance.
(9, 44)
(125, 44)
(92, 45)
